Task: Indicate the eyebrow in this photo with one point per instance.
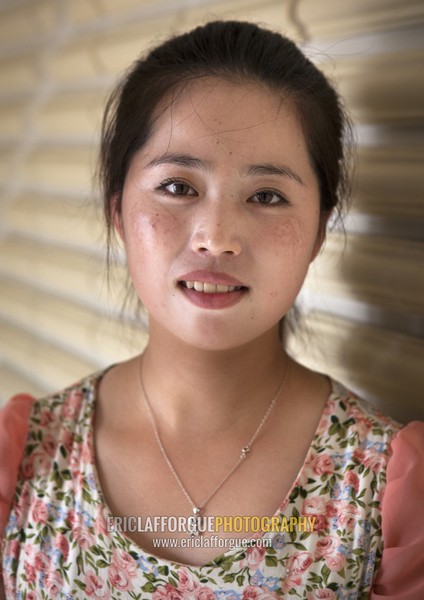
(183, 160)
(186, 160)
(269, 169)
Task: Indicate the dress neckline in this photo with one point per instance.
(336, 387)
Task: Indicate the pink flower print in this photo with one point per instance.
(204, 593)
(83, 536)
(326, 546)
(296, 565)
(330, 408)
(252, 592)
(320, 522)
(54, 583)
(351, 479)
(323, 464)
(86, 454)
(29, 552)
(361, 426)
(315, 505)
(291, 581)
(46, 418)
(95, 586)
(120, 579)
(100, 525)
(71, 518)
(41, 463)
(122, 570)
(49, 444)
(15, 547)
(186, 581)
(31, 595)
(166, 592)
(67, 439)
(74, 467)
(30, 572)
(25, 499)
(71, 405)
(299, 562)
(362, 423)
(358, 455)
(41, 562)
(125, 562)
(62, 544)
(346, 515)
(335, 562)
(373, 460)
(27, 467)
(325, 594)
(39, 512)
(254, 557)
(331, 509)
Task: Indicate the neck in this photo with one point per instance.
(190, 389)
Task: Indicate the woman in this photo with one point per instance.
(214, 465)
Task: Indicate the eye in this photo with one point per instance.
(268, 197)
(176, 187)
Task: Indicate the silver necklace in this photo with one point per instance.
(197, 509)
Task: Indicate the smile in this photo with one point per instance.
(210, 288)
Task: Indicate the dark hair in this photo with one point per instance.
(233, 50)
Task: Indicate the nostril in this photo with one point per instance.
(215, 245)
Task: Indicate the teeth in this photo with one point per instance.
(210, 288)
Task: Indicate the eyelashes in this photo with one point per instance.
(269, 198)
(176, 187)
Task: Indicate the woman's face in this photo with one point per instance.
(221, 215)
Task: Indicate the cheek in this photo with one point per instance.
(289, 247)
(293, 238)
(150, 228)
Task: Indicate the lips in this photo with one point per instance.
(211, 290)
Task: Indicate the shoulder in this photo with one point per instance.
(30, 426)
(63, 409)
(57, 420)
(358, 420)
(65, 404)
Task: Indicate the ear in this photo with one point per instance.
(116, 214)
(320, 235)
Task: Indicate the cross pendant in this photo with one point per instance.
(193, 522)
(245, 451)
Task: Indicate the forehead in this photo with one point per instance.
(231, 112)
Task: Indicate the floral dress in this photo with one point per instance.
(57, 545)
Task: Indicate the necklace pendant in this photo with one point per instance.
(245, 451)
(193, 522)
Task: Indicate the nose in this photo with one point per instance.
(217, 233)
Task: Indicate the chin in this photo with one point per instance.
(227, 337)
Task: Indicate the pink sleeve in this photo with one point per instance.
(401, 573)
(13, 433)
